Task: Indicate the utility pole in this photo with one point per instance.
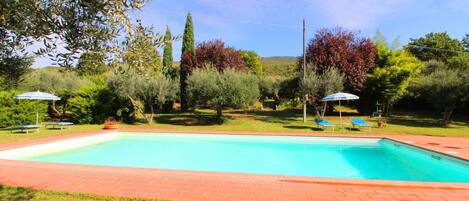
(305, 96)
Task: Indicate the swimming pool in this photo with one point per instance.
(331, 157)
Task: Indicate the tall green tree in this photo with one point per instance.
(168, 69)
(435, 46)
(187, 59)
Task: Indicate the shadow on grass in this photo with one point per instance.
(298, 127)
(191, 119)
(279, 116)
(414, 121)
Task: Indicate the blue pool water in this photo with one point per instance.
(299, 156)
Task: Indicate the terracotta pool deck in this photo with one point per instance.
(198, 185)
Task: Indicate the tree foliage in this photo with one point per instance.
(187, 60)
(91, 63)
(229, 88)
(168, 69)
(52, 80)
(344, 50)
(253, 62)
(94, 104)
(141, 52)
(269, 87)
(19, 112)
(14, 63)
(389, 80)
(214, 53)
(319, 85)
(82, 25)
(56, 81)
(435, 46)
(143, 91)
(445, 88)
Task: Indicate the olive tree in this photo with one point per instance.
(269, 87)
(143, 91)
(57, 81)
(229, 88)
(316, 85)
(443, 87)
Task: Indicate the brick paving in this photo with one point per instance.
(198, 185)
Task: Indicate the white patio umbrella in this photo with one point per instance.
(339, 97)
(37, 95)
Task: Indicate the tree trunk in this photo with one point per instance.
(64, 111)
(276, 101)
(219, 112)
(54, 108)
(324, 110)
(152, 113)
(447, 115)
(137, 109)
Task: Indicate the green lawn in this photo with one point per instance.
(23, 194)
(7, 136)
(289, 120)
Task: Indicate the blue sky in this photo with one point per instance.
(273, 27)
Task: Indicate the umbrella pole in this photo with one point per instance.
(37, 114)
(340, 115)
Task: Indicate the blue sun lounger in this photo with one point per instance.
(324, 124)
(23, 128)
(360, 123)
(60, 125)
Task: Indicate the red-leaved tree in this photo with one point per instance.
(342, 49)
(215, 53)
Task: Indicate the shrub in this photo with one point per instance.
(94, 104)
(19, 112)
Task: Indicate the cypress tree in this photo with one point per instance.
(168, 69)
(188, 47)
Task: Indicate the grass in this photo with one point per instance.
(26, 194)
(289, 120)
(7, 136)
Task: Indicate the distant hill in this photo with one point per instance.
(280, 59)
(279, 66)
